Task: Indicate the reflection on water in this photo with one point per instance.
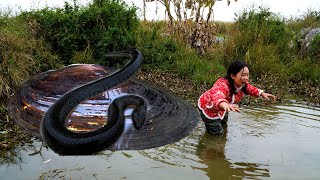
(273, 142)
(211, 149)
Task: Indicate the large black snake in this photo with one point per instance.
(65, 142)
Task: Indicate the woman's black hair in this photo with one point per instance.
(234, 68)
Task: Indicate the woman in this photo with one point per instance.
(215, 103)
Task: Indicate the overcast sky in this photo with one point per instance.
(222, 12)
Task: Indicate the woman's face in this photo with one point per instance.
(241, 78)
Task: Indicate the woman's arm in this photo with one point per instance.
(254, 91)
(219, 92)
(267, 96)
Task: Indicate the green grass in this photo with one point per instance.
(259, 37)
(169, 53)
(21, 55)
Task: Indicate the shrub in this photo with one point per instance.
(103, 26)
(304, 70)
(259, 37)
(310, 19)
(21, 56)
(313, 50)
(158, 50)
(168, 53)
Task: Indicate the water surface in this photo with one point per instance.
(273, 142)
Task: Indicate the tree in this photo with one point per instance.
(144, 10)
(185, 11)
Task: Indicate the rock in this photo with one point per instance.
(309, 37)
(304, 39)
(217, 40)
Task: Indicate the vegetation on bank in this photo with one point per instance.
(264, 40)
(45, 39)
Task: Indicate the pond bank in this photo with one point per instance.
(190, 91)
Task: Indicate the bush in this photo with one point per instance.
(304, 70)
(158, 50)
(313, 50)
(167, 52)
(21, 56)
(103, 26)
(260, 38)
(310, 19)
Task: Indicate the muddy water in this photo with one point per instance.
(274, 142)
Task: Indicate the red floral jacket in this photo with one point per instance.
(209, 101)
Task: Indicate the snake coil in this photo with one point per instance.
(64, 142)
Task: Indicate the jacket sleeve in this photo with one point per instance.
(218, 93)
(253, 91)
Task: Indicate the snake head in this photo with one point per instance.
(139, 116)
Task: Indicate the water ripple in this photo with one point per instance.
(270, 142)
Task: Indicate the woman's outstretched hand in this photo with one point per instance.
(233, 107)
(229, 107)
(267, 96)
